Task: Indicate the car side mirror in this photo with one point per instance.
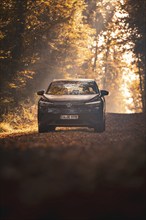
(104, 92)
(41, 92)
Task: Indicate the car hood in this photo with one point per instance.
(70, 98)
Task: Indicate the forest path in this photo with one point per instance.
(75, 174)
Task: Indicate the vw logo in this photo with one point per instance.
(68, 105)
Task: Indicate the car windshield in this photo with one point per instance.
(72, 88)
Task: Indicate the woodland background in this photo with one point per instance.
(46, 39)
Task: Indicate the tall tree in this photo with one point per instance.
(137, 23)
(49, 38)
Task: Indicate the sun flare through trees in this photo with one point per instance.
(46, 39)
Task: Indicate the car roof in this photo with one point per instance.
(70, 80)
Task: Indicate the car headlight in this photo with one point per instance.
(45, 102)
(95, 101)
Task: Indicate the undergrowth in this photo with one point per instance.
(19, 119)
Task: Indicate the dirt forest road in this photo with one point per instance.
(75, 174)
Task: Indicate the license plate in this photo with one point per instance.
(69, 117)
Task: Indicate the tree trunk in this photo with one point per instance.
(20, 8)
(95, 57)
(106, 65)
(141, 83)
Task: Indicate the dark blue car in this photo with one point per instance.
(72, 103)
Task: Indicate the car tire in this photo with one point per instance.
(100, 127)
(51, 128)
(42, 128)
(45, 128)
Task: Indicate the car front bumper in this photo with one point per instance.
(87, 116)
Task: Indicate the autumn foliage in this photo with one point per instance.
(46, 39)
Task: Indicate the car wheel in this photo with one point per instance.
(51, 128)
(100, 127)
(45, 128)
(42, 128)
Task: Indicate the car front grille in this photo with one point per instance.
(70, 108)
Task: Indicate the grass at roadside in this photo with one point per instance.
(22, 119)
